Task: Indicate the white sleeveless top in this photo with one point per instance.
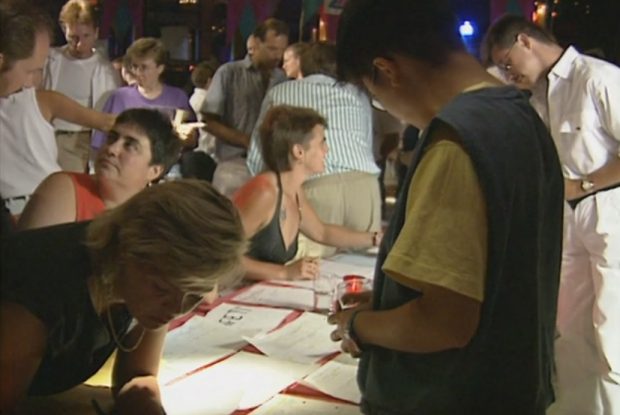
(28, 152)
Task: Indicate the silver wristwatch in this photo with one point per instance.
(587, 185)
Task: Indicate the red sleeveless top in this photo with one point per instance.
(88, 203)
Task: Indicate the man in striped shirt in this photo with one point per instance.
(347, 193)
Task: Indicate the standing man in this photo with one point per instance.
(25, 34)
(579, 99)
(234, 99)
(80, 72)
(464, 302)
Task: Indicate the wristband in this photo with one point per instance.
(350, 330)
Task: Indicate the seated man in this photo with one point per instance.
(141, 146)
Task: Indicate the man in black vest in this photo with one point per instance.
(463, 309)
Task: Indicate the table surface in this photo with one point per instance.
(95, 392)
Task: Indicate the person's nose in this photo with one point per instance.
(114, 148)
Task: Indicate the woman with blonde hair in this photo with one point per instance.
(70, 292)
(273, 206)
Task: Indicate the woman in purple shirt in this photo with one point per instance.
(148, 62)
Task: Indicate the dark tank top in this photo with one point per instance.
(267, 244)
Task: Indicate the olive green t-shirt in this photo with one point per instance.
(444, 238)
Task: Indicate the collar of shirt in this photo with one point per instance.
(319, 79)
(564, 65)
(247, 62)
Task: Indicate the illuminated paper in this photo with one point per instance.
(242, 381)
(304, 340)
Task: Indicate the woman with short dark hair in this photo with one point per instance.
(273, 206)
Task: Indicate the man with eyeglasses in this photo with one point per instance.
(578, 97)
(461, 319)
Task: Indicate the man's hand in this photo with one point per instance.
(341, 320)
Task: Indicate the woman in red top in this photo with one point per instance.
(140, 148)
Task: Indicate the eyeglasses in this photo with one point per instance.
(505, 65)
(190, 301)
(374, 74)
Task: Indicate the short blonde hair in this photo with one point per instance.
(78, 12)
(184, 230)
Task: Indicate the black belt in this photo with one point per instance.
(574, 202)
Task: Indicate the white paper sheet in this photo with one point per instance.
(279, 296)
(203, 340)
(336, 266)
(304, 340)
(243, 381)
(354, 258)
(307, 284)
(175, 366)
(336, 379)
(224, 326)
(296, 405)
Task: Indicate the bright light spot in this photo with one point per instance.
(466, 29)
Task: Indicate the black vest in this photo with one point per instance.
(507, 366)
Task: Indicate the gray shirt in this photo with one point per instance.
(235, 94)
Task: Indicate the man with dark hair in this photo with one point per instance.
(462, 314)
(579, 99)
(234, 98)
(347, 192)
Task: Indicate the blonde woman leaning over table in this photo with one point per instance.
(140, 148)
(273, 206)
(70, 292)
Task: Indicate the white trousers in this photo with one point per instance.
(587, 351)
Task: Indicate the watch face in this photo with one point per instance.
(586, 185)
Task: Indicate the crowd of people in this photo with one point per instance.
(497, 284)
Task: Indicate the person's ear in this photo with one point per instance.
(386, 69)
(160, 69)
(524, 40)
(297, 151)
(154, 172)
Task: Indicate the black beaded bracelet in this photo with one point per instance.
(350, 330)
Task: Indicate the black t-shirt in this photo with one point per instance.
(46, 270)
